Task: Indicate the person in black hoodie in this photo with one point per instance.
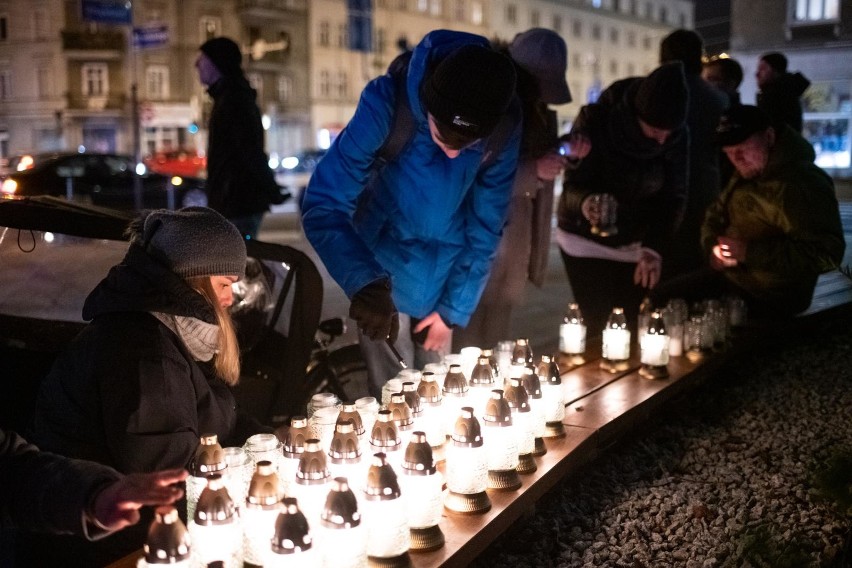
(780, 91)
(151, 373)
(240, 184)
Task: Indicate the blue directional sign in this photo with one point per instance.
(107, 11)
(360, 16)
(151, 36)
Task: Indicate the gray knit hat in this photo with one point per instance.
(194, 241)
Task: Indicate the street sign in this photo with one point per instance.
(107, 11)
(150, 36)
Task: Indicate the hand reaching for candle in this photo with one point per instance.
(648, 269)
(117, 505)
(728, 252)
(549, 166)
(439, 335)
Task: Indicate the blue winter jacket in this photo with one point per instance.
(429, 223)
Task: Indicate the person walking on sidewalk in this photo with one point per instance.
(240, 184)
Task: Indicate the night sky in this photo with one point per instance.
(712, 21)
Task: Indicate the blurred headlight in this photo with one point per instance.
(25, 163)
(177, 180)
(9, 186)
(290, 162)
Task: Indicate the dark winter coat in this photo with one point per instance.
(647, 179)
(780, 99)
(239, 180)
(126, 392)
(788, 217)
(706, 104)
(44, 492)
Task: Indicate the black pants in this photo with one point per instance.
(599, 286)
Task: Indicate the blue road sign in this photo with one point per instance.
(151, 36)
(107, 11)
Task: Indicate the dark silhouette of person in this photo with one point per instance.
(780, 91)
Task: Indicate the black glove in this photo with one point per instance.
(373, 308)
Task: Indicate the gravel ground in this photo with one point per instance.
(728, 478)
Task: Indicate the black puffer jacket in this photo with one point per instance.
(239, 181)
(781, 99)
(126, 392)
(647, 179)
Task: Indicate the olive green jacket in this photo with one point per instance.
(789, 218)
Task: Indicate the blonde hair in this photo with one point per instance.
(227, 358)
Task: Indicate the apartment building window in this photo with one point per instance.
(324, 83)
(95, 79)
(646, 42)
(476, 12)
(285, 88)
(556, 23)
(631, 69)
(342, 85)
(613, 35)
(596, 31)
(664, 14)
(613, 67)
(210, 26)
(436, 7)
(324, 36)
(631, 39)
(577, 28)
(535, 18)
(5, 84)
(401, 5)
(4, 27)
(817, 10)
(381, 40)
(422, 5)
(511, 14)
(460, 10)
(343, 36)
(41, 23)
(44, 84)
(157, 82)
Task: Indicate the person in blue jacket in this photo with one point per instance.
(411, 241)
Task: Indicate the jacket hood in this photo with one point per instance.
(141, 284)
(791, 151)
(791, 83)
(433, 48)
(235, 84)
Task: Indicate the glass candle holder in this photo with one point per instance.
(349, 411)
(321, 400)
(674, 329)
(431, 421)
(522, 352)
(655, 349)
(345, 457)
(264, 447)
(503, 354)
(454, 393)
(532, 385)
(482, 381)
(293, 446)
(467, 467)
(422, 490)
(262, 506)
(501, 444)
(737, 311)
(385, 437)
(572, 336)
(312, 481)
(342, 536)
(522, 419)
(168, 541)
(438, 370)
(237, 475)
(215, 530)
(402, 417)
(388, 537)
(392, 386)
(209, 459)
(694, 340)
(368, 409)
(550, 379)
(321, 425)
(615, 350)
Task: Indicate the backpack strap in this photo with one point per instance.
(402, 124)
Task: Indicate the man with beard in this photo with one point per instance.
(775, 228)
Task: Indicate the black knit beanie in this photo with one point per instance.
(194, 241)
(685, 46)
(661, 98)
(470, 90)
(224, 53)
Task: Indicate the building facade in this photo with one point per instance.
(816, 37)
(72, 81)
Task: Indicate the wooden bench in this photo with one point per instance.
(602, 408)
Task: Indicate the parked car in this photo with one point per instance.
(294, 172)
(188, 163)
(107, 180)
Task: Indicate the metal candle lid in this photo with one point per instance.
(467, 432)
(418, 456)
(263, 488)
(400, 411)
(516, 395)
(312, 469)
(412, 399)
(345, 446)
(292, 534)
(531, 383)
(381, 480)
(350, 412)
(209, 457)
(429, 390)
(482, 374)
(341, 506)
(294, 440)
(168, 540)
(385, 433)
(497, 410)
(522, 352)
(215, 506)
(455, 382)
(548, 371)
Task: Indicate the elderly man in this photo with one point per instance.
(776, 227)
